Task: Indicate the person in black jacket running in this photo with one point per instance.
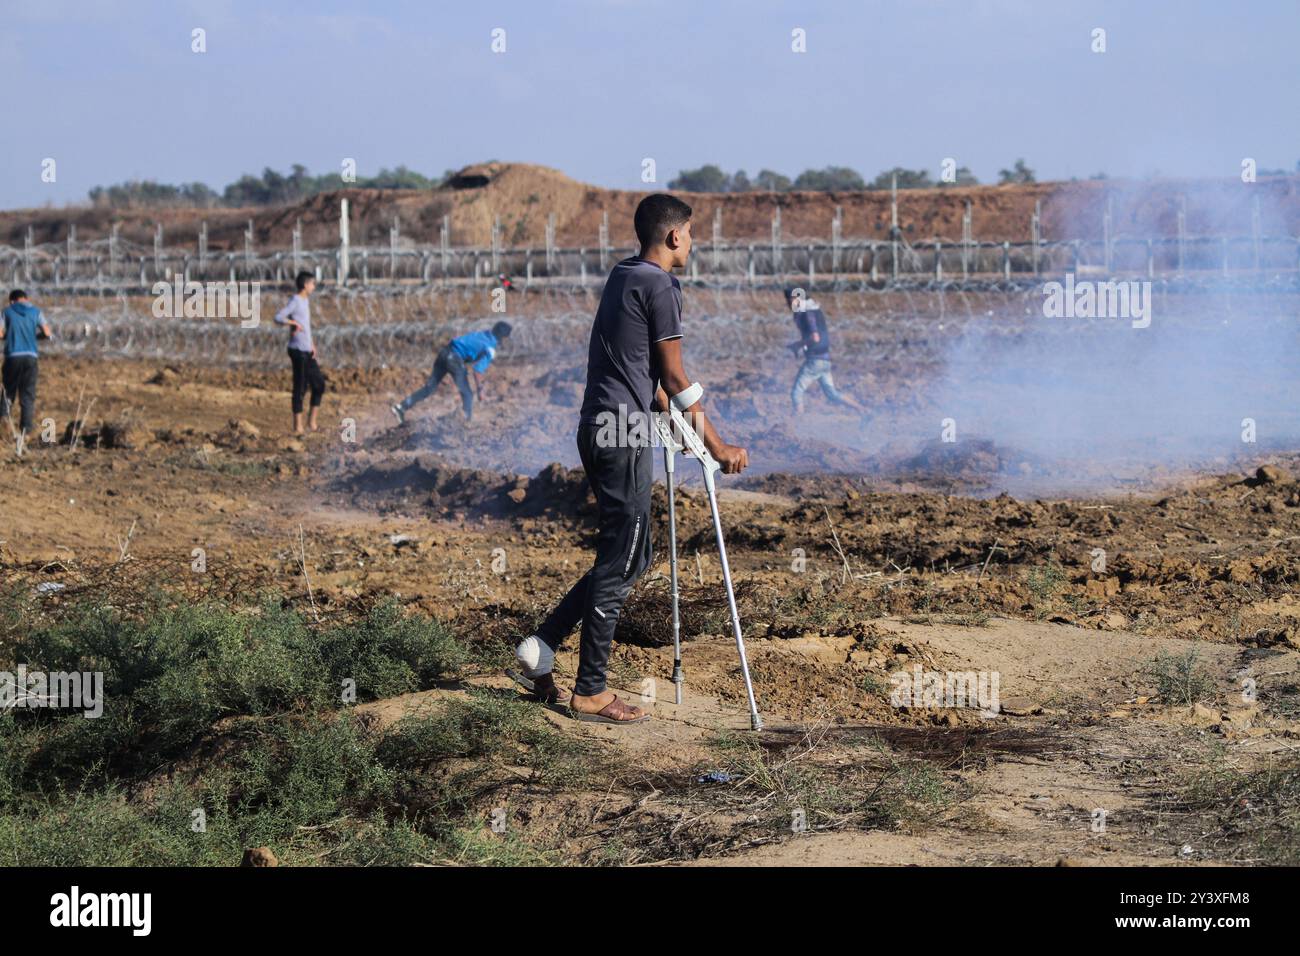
(815, 344)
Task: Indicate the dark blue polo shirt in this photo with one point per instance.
(641, 305)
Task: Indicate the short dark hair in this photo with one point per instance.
(804, 296)
(17, 294)
(501, 330)
(303, 278)
(656, 215)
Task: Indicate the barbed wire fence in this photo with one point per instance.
(353, 328)
(386, 328)
(115, 263)
(394, 306)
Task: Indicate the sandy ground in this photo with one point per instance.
(893, 578)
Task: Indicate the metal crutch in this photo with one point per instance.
(670, 457)
(691, 442)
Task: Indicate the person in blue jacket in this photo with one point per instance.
(464, 357)
(23, 325)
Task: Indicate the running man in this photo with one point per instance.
(815, 344)
(24, 324)
(302, 351)
(634, 363)
(463, 358)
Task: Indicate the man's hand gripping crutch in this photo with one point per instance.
(686, 429)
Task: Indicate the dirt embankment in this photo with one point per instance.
(173, 459)
(524, 195)
(840, 592)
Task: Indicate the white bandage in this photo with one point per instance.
(688, 396)
(534, 656)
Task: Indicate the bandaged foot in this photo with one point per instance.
(534, 657)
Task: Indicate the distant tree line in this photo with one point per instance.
(1279, 171)
(269, 189)
(713, 179)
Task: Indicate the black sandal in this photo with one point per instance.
(542, 687)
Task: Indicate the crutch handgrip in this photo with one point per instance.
(680, 436)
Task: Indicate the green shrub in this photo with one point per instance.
(1179, 678)
(240, 714)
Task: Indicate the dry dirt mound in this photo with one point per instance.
(428, 482)
(522, 195)
(971, 459)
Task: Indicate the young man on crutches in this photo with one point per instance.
(634, 368)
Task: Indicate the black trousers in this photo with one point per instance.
(306, 374)
(447, 363)
(19, 376)
(620, 478)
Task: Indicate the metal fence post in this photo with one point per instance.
(776, 242)
(393, 235)
(893, 223)
(344, 252)
(1106, 238)
(1182, 233)
(837, 231)
(604, 241)
(444, 243)
(965, 241)
(717, 240)
(1036, 227)
(550, 244)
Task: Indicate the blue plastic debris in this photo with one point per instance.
(714, 776)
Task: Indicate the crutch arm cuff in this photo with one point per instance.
(688, 396)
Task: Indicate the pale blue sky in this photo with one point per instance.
(110, 89)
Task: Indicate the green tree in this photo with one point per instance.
(768, 181)
(400, 178)
(907, 179)
(144, 194)
(198, 194)
(706, 179)
(964, 178)
(1019, 173)
(830, 179)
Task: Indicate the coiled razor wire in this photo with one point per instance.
(404, 327)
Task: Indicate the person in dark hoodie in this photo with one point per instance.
(815, 346)
(23, 325)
